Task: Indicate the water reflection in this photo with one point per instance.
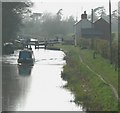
(24, 70)
(13, 87)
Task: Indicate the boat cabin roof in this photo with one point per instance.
(25, 54)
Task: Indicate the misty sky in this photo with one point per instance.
(71, 7)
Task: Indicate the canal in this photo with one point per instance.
(38, 87)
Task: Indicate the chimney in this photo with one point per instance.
(84, 16)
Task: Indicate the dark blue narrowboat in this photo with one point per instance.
(26, 57)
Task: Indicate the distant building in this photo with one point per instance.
(91, 33)
(84, 23)
(86, 29)
(103, 26)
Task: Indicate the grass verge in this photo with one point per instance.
(89, 90)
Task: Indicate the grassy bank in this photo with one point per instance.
(90, 91)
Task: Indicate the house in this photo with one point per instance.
(86, 29)
(91, 32)
(84, 23)
(103, 26)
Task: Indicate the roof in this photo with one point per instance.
(26, 50)
(82, 20)
(101, 19)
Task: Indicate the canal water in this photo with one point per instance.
(38, 87)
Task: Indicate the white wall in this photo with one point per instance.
(84, 23)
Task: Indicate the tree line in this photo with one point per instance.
(13, 14)
(17, 17)
(49, 26)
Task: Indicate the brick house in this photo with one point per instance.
(84, 23)
(102, 26)
(86, 29)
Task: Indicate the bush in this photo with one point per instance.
(102, 47)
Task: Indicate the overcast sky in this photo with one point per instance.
(71, 7)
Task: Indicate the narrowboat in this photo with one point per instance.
(26, 57)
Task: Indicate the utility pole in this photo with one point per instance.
(110, 36)
(92, 16)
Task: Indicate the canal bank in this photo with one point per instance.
(90, 91)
